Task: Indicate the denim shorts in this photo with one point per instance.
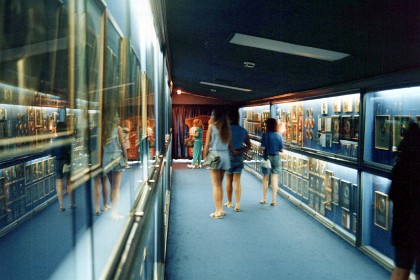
(236, 165)
(275, 165)
(406, 257)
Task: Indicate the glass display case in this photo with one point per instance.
(328, 125)
(388, 113)
(377, 215)
(327, 189)
(253, 120)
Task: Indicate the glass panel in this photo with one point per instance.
(253, 120)
(387, 116)
(326, 188)
(328, 124)
(150, 97)
(377, 209)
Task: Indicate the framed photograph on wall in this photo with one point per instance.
(345, 195)
(355, 128)
(335, 185)
(335, 127)
(38, 117)
(337, 105)
(381, 210)
(3, 114)
(345, 218)
(324, 108)
(348, 105)
(400, 126)
(382, 132)
(346, 127)
(305, 188)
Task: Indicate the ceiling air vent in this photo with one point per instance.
(248, 64)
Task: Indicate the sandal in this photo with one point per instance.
(215, 216)
(223, 213)
(273, 203)
(62, 209)
(98, 213)
(228, 205)
(237, 209)
(262, 201)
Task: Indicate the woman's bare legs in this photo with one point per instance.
(238, 190)
(217, 178)
(229, 190)
(265, 188)
(274, 187)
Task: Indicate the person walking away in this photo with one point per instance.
(405, 196)
(272, 144)
(240, 144)
(217, 142)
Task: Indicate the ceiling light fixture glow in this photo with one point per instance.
(283, 47)
(223, 86)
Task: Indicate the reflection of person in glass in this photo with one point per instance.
(113, 162)
(62, 152)
(405, 195)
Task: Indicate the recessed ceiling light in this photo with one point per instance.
(283, 47)
(223, 86)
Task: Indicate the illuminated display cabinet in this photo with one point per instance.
(325, 171)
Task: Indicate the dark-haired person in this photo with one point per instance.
(240, 143)
(61, 151)
(217, 141)
(272, 144)
(405, 196)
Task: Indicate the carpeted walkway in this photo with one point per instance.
(260, 242)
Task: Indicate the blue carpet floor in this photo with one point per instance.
(260, 242)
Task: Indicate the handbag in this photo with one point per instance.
(212, 160)
(266, 163)
(189, 142)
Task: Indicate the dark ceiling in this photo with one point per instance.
(379, 36)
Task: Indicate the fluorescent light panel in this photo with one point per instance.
(283, 47)
(223, 86)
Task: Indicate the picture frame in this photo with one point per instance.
(382, 132)
(38, 117)
(305, 188)
(3, 114)
(337, 105)
(335, 188)
(346, 127)
(324, 108)
(345, 194)
(355, 128)
(336, 127)
(381, 207)
(285, 178)
(345, 218)
(348, 105)
(400, 126)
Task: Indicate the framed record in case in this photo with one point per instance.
(381, 210)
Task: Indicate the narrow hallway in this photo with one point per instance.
(260, 242)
